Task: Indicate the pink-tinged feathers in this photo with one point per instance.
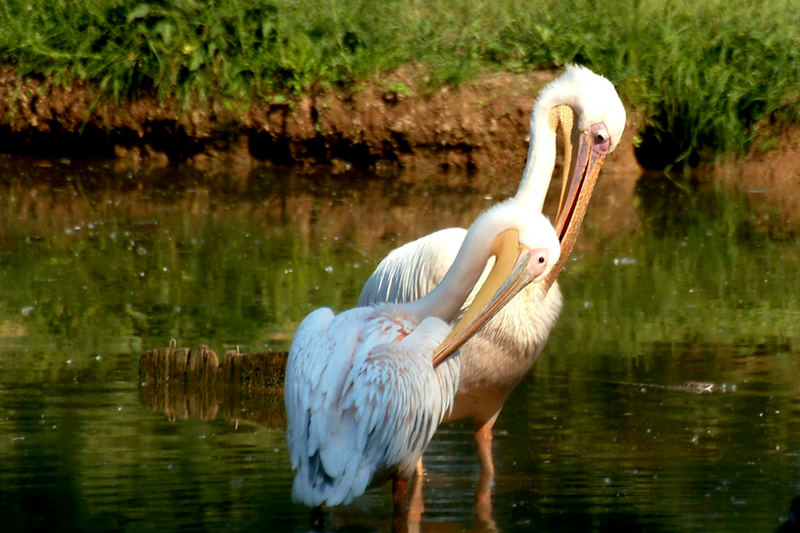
(371, 407)
(362, 396)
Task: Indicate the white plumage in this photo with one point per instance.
(363, 398)
(591, 116)
(373, 405)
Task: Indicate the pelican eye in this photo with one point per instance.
(538, 261)
(601, 139)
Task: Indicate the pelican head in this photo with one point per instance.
(586, 109)
(525, 248)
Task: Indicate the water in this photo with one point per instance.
(610, 430)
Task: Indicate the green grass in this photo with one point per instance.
(706, 75)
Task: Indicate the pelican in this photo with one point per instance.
(366, 389)
(585, 107)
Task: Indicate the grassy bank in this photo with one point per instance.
(705, 75)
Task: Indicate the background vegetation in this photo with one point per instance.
(707, 76)
(89, 270)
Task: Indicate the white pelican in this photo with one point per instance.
(363, 398)
(591, 117)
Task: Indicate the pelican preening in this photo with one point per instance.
(363, 394)
(585, 107)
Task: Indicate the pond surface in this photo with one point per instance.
(668, 397)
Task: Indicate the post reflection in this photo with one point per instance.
(197, 383)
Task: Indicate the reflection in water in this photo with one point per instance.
(246, 387)
(197, 383)
(603, 434)
(792, 523)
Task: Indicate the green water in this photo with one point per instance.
(699, 286)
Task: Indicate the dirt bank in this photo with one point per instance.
(480, 126)
(770, 170)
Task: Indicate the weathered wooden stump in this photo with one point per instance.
(196, 383)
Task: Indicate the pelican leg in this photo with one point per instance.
(399, 492)
(317, 519)
(483, 501)
(483, 444)
(400, 504)
(416, 506)
(483, 493)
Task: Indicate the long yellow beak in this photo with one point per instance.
(586, 163)
(515, 266)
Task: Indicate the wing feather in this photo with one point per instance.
(411, 271)
(303, 375)
(376, 403)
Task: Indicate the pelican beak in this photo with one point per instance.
(515, 266)
(588, 155)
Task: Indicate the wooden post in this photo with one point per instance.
(196, 383)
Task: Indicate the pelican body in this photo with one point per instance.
(587, 110)
(366, 389)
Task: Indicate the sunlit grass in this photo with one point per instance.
(705, 74)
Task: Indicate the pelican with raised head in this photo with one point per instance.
(363, 395)
(586, 109)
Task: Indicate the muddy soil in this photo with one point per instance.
(480, 127)
(772, 170)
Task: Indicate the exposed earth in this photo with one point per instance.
(480, 126)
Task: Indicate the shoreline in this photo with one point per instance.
(479, 128)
